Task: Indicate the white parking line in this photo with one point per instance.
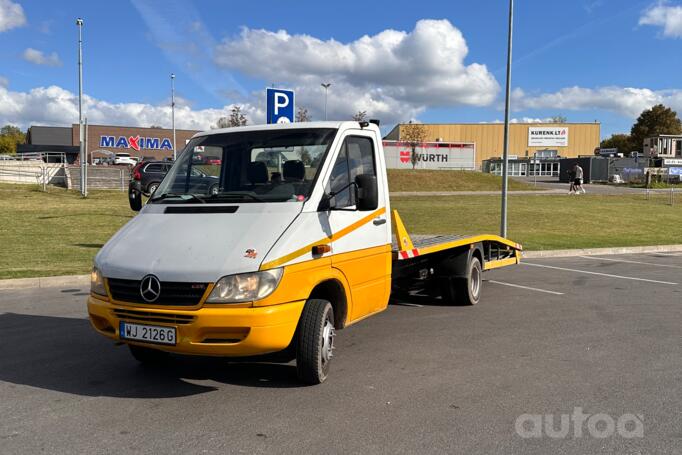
(600, 274)
(632, 262)
(526, 287)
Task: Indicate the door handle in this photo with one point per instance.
(379, 221)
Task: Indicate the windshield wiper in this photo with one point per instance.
(184, 197)
(235, 195)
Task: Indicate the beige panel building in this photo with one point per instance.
(568, 139)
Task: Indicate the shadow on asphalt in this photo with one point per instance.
(67, 355)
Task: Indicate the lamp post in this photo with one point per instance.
(326, 89)
(505, 154)
(175, 147)
(81, 131)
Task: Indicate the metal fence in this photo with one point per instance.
(667, 196)
(58, 174)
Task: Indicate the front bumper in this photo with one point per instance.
(219, 331)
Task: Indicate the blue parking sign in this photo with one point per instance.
(280, 105)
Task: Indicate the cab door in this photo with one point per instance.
(361, 240)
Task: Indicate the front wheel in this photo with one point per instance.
(315, 343)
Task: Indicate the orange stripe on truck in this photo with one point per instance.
(308, 248)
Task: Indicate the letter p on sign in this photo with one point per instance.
(280, 105)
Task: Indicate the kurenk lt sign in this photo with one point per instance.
(136, 142)
(548, 136)
(280, 105)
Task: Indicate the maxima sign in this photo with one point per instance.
(542, 136)
(136, 142)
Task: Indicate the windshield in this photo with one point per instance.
(253, 166)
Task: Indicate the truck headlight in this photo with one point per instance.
(245, 287)
(97, 282)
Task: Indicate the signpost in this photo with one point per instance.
(280, 105)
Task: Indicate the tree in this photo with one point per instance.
(302, 115)
(558, 119)
(652, 122)
(10, 136)
(360, 116)
(11, 130)
(236, 118)
(415, 135)
(156, 126)
(622, 142)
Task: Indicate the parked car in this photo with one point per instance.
(147, 175)
(213, 160)
(125, 158)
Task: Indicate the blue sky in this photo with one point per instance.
(435, 61)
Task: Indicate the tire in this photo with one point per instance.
(315, 341)
(135, 200)
(152, 187)
(213, 189)
(466, 290)
(148, 356)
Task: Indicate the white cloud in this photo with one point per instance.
(56, 106)
(11, 15)
(665, 15)
(393, 74)
(626, 101)
(4, 82)
(39, 58)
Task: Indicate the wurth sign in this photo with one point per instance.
(430, 155)
(135, 142)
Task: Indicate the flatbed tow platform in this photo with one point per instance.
(449, 264)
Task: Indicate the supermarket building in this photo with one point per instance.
(565, 140)
(104, 140)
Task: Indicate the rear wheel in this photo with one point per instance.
(465, 290)
(315, 341)
(213, 190)
(152, 187)
(147, 355)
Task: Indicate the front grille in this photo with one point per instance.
(146, 316)
(172, 293)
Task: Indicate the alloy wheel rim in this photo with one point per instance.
(475, 281)
(328, 334)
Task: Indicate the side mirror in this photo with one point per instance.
(367, 192)
(135, 200)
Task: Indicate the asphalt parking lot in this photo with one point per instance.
(603, 334)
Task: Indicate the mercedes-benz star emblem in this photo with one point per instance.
(150, 288)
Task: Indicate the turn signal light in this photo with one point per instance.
(321, 249)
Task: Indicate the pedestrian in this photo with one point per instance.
(571, 181)
(578, 176)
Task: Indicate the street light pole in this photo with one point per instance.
(175, 147)
(505, 155)
(81, 132)
(326, 88)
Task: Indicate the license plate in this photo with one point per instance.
(147, 333)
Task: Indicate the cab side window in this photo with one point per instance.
(356, 157)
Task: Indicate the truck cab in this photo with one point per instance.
(275, 259)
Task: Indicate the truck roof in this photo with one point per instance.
(284, 126)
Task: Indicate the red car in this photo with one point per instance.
(213, 160)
